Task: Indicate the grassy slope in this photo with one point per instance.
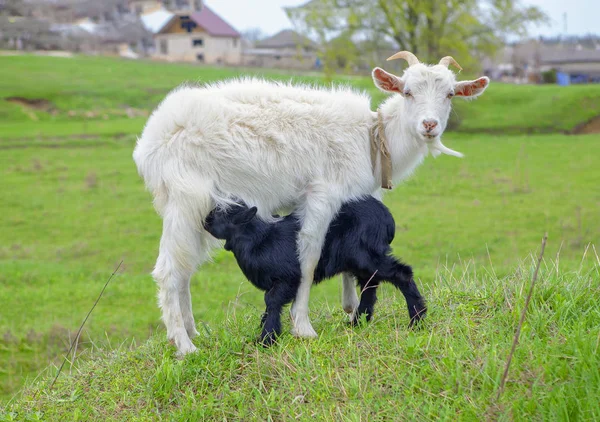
(529, 108)
(451, 369)
(71, 214)
(98, 88)
(74, 207)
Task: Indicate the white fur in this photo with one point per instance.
(274, 146)
(438, 148)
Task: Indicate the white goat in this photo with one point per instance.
(278, 146)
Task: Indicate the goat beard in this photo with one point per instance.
(436, 148)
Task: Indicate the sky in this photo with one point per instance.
(268, 15)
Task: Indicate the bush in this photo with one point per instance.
(549, 77)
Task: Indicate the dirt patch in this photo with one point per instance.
(591, 126)
(35, 103)
(156, 91)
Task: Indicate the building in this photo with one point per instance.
(529, 61)
(579, 65)
(202, 37)
(140, 7)
(285, 50)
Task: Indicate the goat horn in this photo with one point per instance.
(406, 55)
(449, 60)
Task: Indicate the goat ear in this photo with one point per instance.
(245, 216)
(471, 89)
(386, 81)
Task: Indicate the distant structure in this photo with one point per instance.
(140, 7)
(285, 50)
(169, 30)
(89, 26)
(193, 36)
(547, 61)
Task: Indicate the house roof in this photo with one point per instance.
(213, 23)
(208, 20)
(87, 25)
(127, 30)
(533, 52)
(286, 38)
(155, 21)
(569, 55)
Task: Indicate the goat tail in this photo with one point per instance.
(175, 182)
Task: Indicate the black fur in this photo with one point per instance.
(358, 242)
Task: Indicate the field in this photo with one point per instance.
(73, 207)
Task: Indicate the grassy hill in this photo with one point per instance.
(448, 370)
(94, 90)
(73, 206)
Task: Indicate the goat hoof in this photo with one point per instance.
(304, 331)
(417, 317)
(349, 309)
(357, 319)
(350, 303)
(301, 326)
(267, 340)
(185, 350)
(182, 342)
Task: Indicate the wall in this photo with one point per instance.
(143, 6)
(223, 50)
(216, 50)
(279, 58)
(592, 68)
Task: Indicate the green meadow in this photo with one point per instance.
(73, 207)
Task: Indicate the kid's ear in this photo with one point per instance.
(245, 216)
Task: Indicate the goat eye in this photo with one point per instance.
(450, 95)
(407, 94)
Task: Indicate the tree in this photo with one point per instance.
(428, 28)
(14, 8)
(253, 35)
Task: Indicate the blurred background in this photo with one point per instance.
(78, 79)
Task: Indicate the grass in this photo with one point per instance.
(91, 88)
(94, 90)
(73, 206)
(450, 369)
(530, 109)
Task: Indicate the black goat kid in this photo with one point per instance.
(357, 242)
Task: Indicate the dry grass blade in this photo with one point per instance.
(82, 324)
(522, 319)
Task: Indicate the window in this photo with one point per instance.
(164, 49)
(138, 9)
(187, 23)
(198, 42)
(235, 42)
(200, 57)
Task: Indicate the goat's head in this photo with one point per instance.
(223, 223)
(428, 91)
